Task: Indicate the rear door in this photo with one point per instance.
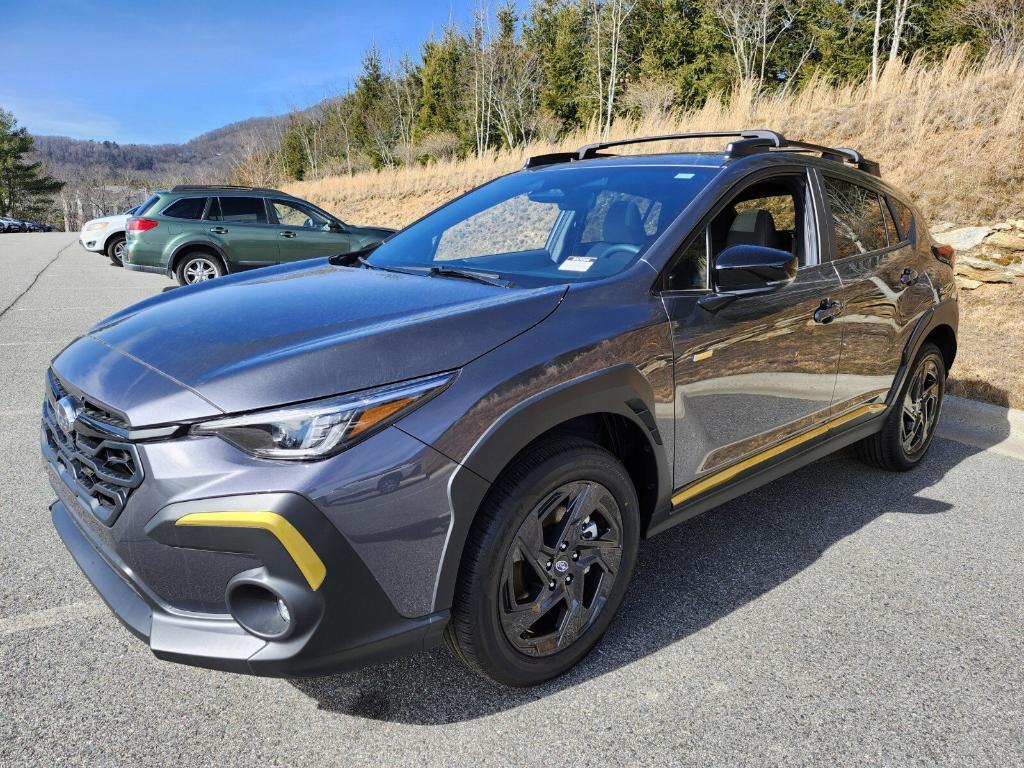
(243, 224)
(757, 370)
(882, 296)
(304, 233)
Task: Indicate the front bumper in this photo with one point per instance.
(345, 622)
(92, 241)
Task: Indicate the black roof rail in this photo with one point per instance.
(229, 187)
(750, 141)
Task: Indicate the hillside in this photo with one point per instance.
(207, 155)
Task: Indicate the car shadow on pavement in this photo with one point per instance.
(686, 579)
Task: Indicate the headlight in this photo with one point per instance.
(93, 226)
(322, 428)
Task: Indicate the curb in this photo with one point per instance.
(983, 425)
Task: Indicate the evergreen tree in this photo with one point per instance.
(443, 79)
(25, 191)
(556, 31)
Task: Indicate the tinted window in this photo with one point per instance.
(146, 205)
(890, 225)
(904, 218)
(857, 217)
(242, 210)
(186, 208)
(294, 215)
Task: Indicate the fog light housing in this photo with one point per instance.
(260, 611)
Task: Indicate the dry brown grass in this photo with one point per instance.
(948, 133)
(990, 361)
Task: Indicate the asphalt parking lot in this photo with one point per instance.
(841, 615)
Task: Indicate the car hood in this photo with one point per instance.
(116, 218)
(313, 329)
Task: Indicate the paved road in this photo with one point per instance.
(838, 616)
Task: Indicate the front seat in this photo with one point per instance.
(753, 228)
(623, 225)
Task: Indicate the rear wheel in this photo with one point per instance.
(547, 563)
(115, 250)
(910, 426)
(198, 267)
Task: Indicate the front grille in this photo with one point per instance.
(92, 458)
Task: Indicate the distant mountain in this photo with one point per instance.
(206, 157)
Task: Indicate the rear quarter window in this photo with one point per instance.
(856, 217)
(904, 218)
(242, 210)
(186, 208)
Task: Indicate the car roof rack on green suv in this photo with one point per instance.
(227, 187)
(749, 142)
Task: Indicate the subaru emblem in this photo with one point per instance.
(67, 411)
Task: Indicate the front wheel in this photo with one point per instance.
(910, 426)
(198, 267)
(546, 564)
(115, 250)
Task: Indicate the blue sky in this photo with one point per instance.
(153, 72)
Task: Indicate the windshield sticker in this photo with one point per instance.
(684, 176)
(577, 263)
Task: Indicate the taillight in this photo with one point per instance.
(141, 225)
(945, 254)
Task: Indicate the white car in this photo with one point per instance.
(106, 234)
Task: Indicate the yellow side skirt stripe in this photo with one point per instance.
(308, 562)
(724, 475)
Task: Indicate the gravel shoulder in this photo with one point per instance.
(841, 615)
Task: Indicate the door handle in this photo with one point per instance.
(287, 233)
(827, 311)
(219, 230)
(909, 276)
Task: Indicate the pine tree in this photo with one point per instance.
(25, 191)
(443, 77)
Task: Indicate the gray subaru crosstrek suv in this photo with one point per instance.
(466, 431)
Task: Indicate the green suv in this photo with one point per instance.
(195, 233)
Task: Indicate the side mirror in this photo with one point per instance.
(753, 268)
(334, 226)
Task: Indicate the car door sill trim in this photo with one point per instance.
(718, 477)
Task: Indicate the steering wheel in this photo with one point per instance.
(610, 248)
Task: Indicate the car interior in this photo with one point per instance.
(769, 214)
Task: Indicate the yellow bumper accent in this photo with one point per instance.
(723, 475)
(295, 545)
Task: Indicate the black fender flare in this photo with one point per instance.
(172, 263)
(943, 313)
(620, 390)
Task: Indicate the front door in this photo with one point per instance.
(305, 233)
(753, 372)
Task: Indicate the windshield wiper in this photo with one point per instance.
(488, 278)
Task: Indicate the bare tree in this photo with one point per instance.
(1001, 22)
(875, 43)
(482, 81)
(516, 92)
(255, 162)
(650, 99)
(753, 28)
(899, 23)
(609, 21)
(403, 94)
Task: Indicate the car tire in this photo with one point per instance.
(115, 247)
(566, 491)
(198, 267)
(910, 426)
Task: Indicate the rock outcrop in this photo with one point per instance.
(987, 254)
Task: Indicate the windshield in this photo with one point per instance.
(555, 225)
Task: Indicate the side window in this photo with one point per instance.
(243, 210)
(512, 226)
(904, 218)
(770, 214)
(890, 225)
(186, 208)
(857, 217)
(691, 270)
(293, 215)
